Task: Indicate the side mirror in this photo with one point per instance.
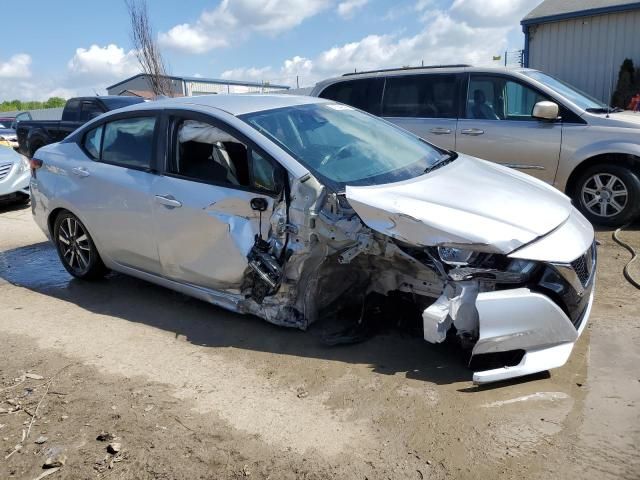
(545, 110)
(259, 204)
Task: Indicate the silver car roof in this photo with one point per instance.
(415, 71)
(234, 104)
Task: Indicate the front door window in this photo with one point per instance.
(498, 98)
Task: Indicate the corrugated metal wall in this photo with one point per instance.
(587, 52)
(205, 88)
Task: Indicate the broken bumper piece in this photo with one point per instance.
(521, 319)
(510, 321)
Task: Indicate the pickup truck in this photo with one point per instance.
(33, 134)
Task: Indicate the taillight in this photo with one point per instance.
(35, 164)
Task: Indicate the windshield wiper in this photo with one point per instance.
(441, 162)
(604, 110)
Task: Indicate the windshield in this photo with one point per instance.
(345, 146)
(4, 124)
(581, 99)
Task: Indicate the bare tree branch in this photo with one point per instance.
(147, 51)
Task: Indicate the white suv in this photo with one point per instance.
(521, 118)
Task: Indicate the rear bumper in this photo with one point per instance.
(521, 319)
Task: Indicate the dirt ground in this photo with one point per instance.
(192, 391)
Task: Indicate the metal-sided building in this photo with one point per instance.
(583, 42)
(139, 85)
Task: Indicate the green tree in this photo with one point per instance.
(11, 105)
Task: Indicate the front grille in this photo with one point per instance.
(5, 168)
(570, 284)
(583, 266)
(581, 269)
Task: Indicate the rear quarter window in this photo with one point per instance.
(425, 96)
(365, 94)
(92, 142)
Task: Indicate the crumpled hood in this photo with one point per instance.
(467, 202)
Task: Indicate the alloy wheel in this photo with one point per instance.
(74, 245)
(604, 195)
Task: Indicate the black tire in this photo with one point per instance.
(76, 249)
(611, 202)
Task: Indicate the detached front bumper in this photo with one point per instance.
(521, 319)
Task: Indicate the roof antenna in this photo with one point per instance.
(610, 87)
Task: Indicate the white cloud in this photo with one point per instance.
(348, 8)
(191, 39)
(444, 38)
(233, 21)
(110, 62)
(491, 13)
(18, 66)
(253, 74)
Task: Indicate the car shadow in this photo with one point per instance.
(391, 352)
(13, 206)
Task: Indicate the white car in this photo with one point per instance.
(14, 176)
(295, 209)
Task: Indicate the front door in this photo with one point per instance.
(498, 126)
(204, 221)
(426, 105)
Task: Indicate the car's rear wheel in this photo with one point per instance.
(76, 249)
(608, 194)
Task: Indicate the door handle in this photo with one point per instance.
(471, 131)
(168, 201)
(440, 131)
(80, 171)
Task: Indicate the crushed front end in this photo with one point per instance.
(518, 306)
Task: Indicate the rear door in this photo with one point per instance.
(109, 187)
(498, 126)
(426, 105)
(203, 218)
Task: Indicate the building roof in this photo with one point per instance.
(216, 81)
(556, 10)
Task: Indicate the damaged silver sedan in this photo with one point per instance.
(296, 208)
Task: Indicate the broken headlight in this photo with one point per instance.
(456, 256)
(516, 272)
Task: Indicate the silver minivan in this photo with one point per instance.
(520, 118)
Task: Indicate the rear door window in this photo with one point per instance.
(423, 96)
(365, 94)
(129, 142)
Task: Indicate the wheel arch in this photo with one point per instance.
(53, 215)
(628, 160)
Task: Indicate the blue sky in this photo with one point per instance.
(74, 47)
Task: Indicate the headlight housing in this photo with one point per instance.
(469, 264)
(24, 165)
(456, 257)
